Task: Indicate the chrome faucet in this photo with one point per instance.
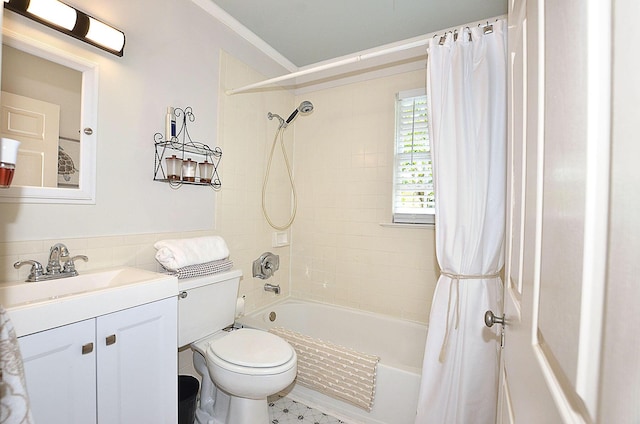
(272, 288)
(56, 252)
(54, 268)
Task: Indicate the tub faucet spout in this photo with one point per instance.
(272, 288)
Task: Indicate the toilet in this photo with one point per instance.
(239, 368)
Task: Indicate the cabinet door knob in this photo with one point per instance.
(111, 339)
(87, 348)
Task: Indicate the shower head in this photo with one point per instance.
(304, 108)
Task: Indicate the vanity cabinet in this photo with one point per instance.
(61, 380)
(116, 368)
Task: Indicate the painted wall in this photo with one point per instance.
(171, 58)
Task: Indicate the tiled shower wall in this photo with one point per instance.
(247, 135)
(343, 167)
(342, 158)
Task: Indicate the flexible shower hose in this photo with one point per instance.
(279, 133)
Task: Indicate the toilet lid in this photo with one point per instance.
(252, 348)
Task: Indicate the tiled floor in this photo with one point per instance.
(283, 410)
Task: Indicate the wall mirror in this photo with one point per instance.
(49, 104)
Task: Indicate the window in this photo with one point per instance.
(413, 192)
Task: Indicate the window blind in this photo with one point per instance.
(413, 192)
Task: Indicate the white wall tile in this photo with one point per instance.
(380, 269)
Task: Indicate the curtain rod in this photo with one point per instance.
(353, 59)
(335, 64)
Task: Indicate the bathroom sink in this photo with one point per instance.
(39, 306)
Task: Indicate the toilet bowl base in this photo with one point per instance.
(229, 409)
(247, 411)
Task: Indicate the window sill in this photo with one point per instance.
(414, 226)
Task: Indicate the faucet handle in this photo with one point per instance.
(36, 269)
(70, 265)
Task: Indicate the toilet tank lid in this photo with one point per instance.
(248, 347)
(192, 283)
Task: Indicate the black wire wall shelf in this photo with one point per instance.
(181, 145)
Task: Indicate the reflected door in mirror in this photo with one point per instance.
(36, 125)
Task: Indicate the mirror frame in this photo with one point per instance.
(86, 192)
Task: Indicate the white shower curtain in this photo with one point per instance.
(466, 85)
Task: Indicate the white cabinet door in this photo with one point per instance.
(114, 369)
(137, 364)
(60, 370)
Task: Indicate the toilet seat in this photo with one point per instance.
(249, 351)
(252, 348)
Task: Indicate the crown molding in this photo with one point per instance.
(218, 13)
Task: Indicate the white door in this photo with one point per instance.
(60, 369)
(36, 125)
(558, 177)
(137, 364)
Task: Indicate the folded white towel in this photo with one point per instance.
(178, 253)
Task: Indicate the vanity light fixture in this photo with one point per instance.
(70, 21)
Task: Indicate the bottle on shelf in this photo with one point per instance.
(170, 124)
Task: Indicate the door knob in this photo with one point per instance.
(490, 319)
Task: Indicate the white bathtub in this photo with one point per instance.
(398, 343)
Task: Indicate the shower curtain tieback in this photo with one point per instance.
(455, 281)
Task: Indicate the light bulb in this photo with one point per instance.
(54, 11)
(105, 35)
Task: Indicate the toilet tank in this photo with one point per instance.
(206, 304)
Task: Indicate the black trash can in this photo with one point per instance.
(188, 387)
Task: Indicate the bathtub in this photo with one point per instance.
(398, 343)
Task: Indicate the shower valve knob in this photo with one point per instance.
(266, 265)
